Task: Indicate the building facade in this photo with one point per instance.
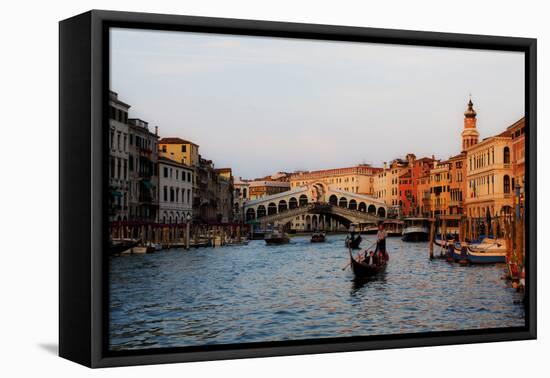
(118, 158)
(143, 172)
(175, 191)
(439, 189)
(386, 185)
(358, 179)
(457, 183)
(489, 177)
(240, 197)
(517, 133)
(409, 200)
(261, 188)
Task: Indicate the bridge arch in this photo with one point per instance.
(362, 207)
(352, 204)
(250, 214)
(282, 206)
(260, 212)
(333, 200)
(271, 209)
(292, 203)
(343, 202)
(381, 212)
(372, 209)
(303, 200)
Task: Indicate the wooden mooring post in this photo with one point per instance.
(432, 236)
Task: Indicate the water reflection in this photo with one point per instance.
(297, 291)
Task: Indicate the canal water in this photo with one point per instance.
(257, 293)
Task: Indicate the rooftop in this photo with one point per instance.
(176, 140)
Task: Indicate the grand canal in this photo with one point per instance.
(258, 293)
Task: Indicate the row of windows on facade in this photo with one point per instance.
(486, 158)
(185, 176)
(118, 115)
(119, 167)
(183, 148)
(173, 195)
(121, 144)
(479, 184)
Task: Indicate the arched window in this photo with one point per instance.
(353, 204)
(282, 206)
(303, 200)
(333, 200)
(381, 212)
(506, 155)
(372, 210)
(363, 207)
(506, 184)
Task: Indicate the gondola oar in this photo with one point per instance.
(370, 246)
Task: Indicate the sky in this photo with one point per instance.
(260, 105)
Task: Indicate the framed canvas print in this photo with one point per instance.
(234, 188)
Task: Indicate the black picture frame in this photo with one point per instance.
(83, 273)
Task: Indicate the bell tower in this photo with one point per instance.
(470, 135)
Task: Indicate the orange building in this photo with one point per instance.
(457, 183)
(358, 179)
(409, 199)
(517, 132)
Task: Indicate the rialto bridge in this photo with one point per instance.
(314, 207)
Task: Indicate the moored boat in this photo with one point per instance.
(393, 227)
(119, 246)
(362, 270)
(142, 249)
(415, 229)
(318, 237)
(459, 253)
(487, 252)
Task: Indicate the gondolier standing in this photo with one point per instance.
(381, 244)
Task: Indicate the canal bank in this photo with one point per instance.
(258, 293)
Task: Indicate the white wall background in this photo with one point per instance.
(29, 185)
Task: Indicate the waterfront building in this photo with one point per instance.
(185, 152)
(213, 201)
(489, 177)
(409, 200)
(240, 197)
(517, 133)
(175, 191)
(439, 189)
(358, 179)
(224, 194)
(143, 172)
(261, 188)
(118, 158)
(386, 185)
(457, 183)
(180, 150)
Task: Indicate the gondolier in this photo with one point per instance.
(381, 244)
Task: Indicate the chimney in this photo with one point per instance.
(385, 165)
(156, 130)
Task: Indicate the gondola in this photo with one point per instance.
(361, 270)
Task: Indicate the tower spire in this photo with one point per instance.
(470, 135)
